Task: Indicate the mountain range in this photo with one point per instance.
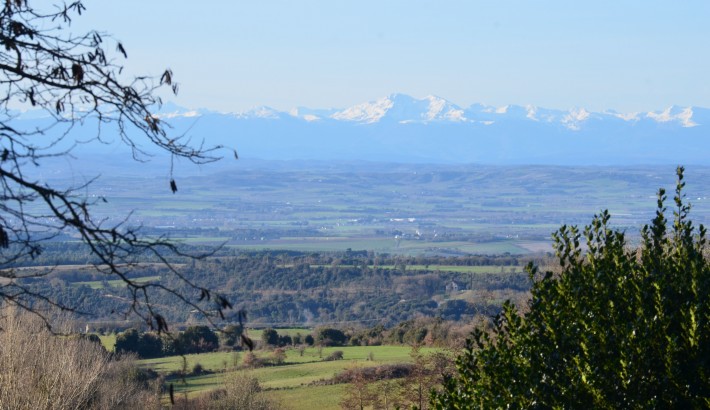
(400, 128)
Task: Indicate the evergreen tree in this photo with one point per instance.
(617, 328)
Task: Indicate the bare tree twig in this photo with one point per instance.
(74, 79)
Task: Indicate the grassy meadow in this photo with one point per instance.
(293, 383)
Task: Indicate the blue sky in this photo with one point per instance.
(234, 55)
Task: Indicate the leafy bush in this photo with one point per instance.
(383, 372)
(279, 356)
(617, 328)
(327, 336)
(145, 345)
(336, 355)
(285, 340)
(250, 360)
(229, 336)
(270, 337)
(243, 392)
(197, 339)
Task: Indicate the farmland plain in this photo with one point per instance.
(391, 208)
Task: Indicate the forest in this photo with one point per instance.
(289, 288)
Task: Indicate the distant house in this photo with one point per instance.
(452, 287)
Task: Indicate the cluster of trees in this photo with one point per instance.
(270, 337)
(327, 336)
(422, 331)
(202, 339)
(286, 289)
(312, 288)
(195, 339)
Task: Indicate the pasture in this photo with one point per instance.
(295, 382)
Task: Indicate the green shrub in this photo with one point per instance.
(336, 355)
(330, 337)
(616, 328)
(270, 337)
(145, 345)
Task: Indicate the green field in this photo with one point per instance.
(97, 284)
(310, 397)
(283, 331)
(387, 246)
(108, 341)
(291, 382)
(460, 269)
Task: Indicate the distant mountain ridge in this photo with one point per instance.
(404, 109)
(401, 128)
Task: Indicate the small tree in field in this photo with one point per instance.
(242, 391)
(198, 339)
(358, 394)
(279, 356)
(617, 328)
(270, 337)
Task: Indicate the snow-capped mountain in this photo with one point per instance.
(683, 116)
(260, 112)
(309, 114)
(431, 129)
(403, 109)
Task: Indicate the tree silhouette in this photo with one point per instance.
(78, 79)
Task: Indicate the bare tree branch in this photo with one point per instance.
(74, 79)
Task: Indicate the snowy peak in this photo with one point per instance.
(575, 118)
(682, 116)
(172, 110)
(368, 112)
(487, 114)
(543, 114)
(262, 112)
(440, 109)
(309, 114)
(403, 109)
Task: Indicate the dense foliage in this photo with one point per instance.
(145, 345)
(616, 328)
(195, 339)
(327, 336)
(280, 289)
